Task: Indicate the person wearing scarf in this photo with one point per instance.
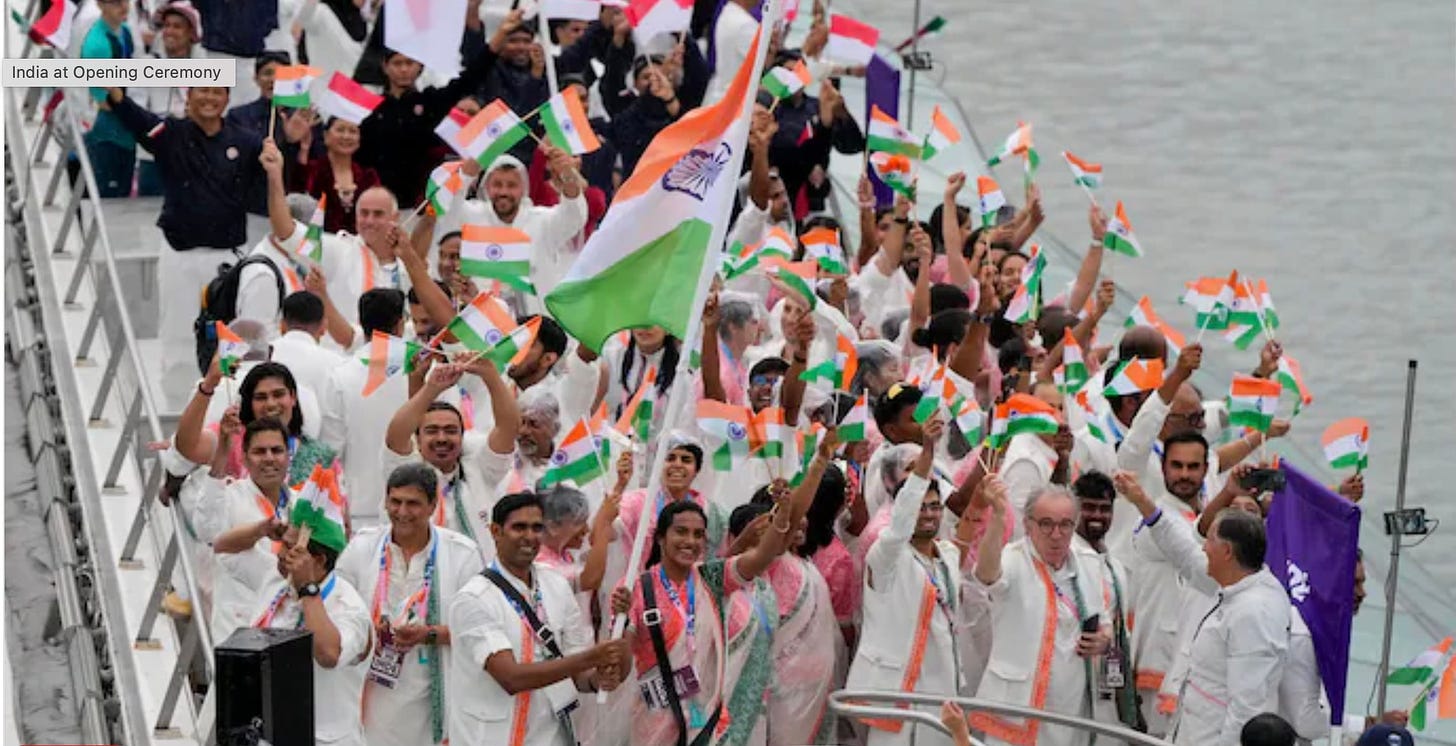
(407, 570)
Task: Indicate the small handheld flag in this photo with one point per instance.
(348, 100)
(943, 134)
(1347, 443)
(388, 356)
(1119, 236)
(783, 82)
(991, 200)
(490, 134)
(497, 253)
(567, 126)
(851, 41)
(291, 85)
(1253, 402)
(230, 349)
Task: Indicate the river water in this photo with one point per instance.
(1310, 143)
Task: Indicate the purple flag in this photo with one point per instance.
(882, 89)
(1313, 534)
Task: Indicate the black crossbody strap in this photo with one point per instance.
(652, 617)
(543, 633)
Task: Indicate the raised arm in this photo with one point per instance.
(796, 343)
(760, 136)
(888, 260)
(905, 510)
(279, 218)
(192, 442)
(958, 270)
(788, 513)
(1225, 497)
(1029, 219)
(595, 566)
(503, 406)
(920, 296)
(338, 327)
(1091, 261)
(1148, 423)
(1230, 454)
(399, 437)
(437, 304)
(988, 555)
(712, 373)
(966, 360)
(867, 227)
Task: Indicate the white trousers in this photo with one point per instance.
(181, 276)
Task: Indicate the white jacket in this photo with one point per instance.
(1235, 654)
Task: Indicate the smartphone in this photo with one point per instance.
(1263, 480)
(1091, 624)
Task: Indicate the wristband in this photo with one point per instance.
(1151, 520)
(204, 392)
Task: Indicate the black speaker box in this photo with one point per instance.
(265, 688)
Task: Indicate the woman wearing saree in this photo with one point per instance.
(694, 614)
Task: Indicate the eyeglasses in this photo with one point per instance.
(931, 507)
(1048, 526)
(1195, 419)
(762, 379)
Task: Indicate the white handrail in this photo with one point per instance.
(849, 703)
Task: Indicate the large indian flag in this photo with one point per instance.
(666, 222)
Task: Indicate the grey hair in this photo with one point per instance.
(1051, 491)
(562, 504)
(734, 311)
(300, 206)
(255, 334)
(1245, 533)
(539, 401)
(891, 323)
(875, 356)
(415, 474)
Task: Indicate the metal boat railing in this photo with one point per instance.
(859, 703)
(123, 391)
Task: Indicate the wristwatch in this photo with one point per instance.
(308, 589)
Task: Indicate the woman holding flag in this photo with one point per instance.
(676, 611)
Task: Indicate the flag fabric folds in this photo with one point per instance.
(730, 424)
(490, 134)
(567, 126)
(991, 199)
(885, 135)
(497, 253)
(445, 182)
(850, 41)
(943, 134)
(291, 84)
(230, 349)
(1253, 402)
(388, 356)
(1313, 534)
(348, 100)
(1143, 315)
(782, 82)
(661, 225)
(581, 458)
(1084, 173)
(483, 323)
(1119, 236)
(1346, 443)
(319, 507)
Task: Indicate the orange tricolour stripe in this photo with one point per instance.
(1091, 168)
(1122, 217)
(917, 658)
(986, 185)
(1025, 734)
(579, 120)
(624, 423)
(477, 124)
(1145, 374)
(296, 72)
(1249, 386)
(1350, 426)
(943, 125)
(878, 114)
(699, 125)
(521, 713)
(709, 409)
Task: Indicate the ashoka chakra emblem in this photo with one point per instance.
(559, 458)
(493, 336)
(494, 252)
(736, 431)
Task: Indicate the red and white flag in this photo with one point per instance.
(54, 28)
(851, 41)
(651, 18)
(450, 126)
(348, 100)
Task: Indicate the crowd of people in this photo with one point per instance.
(1109, 567)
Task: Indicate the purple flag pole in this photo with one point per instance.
(1313, 534)
(882, 89)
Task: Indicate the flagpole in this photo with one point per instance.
(682, 381)
(1202, 327)
(1393, 577)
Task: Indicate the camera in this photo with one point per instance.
(1263, 480)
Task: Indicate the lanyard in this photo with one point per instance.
(942, 595)
(414, 605)
(540, 606)
(688, 614)
(266, 620)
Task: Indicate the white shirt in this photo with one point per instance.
(308, 361)
(354, 426)
(483, 622)
(881, 294)
(258, 287)
(398, 716)
(1236, 658)
(357, 269)
(336, 690)
(1301, 695)
(224, 505)
(472, 486)
(731, 39)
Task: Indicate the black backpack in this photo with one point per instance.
(220, 303)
